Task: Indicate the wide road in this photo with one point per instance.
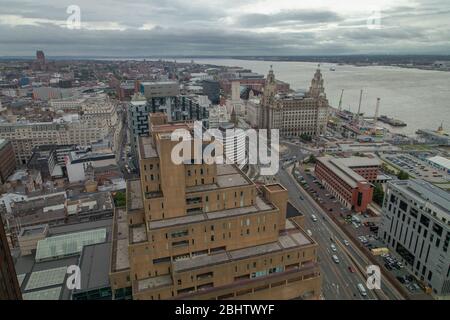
(338, 282)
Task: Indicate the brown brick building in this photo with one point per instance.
(9, 285)
(199, 231)
(349, 179)
(7, 160)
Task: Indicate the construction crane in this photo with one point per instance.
(359, 106)
(340, 101)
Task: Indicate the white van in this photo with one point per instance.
(362, 290)
(314, 218)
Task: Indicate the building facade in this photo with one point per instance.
(295, 114)
(7, 160)
(349, 179)
(177, 108)
(416, 225)
(205, 231)
(9, 285)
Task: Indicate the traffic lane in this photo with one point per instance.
(335, 274)
(324, 238)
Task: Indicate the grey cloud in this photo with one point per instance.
(287, 17)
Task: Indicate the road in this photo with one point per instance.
(338, 282)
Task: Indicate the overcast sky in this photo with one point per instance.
(225, 27)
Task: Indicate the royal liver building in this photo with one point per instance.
(295, 114)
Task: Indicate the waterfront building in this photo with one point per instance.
(295, 114)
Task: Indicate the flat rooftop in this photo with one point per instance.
(227, 176)
(260, 205)
(134, 195)
(138, 233)
(275, 187)
(426, 192)
(342, 167)
(94, 266)
(146, 147)
(286, 241)
(120, 258)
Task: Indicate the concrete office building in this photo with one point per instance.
(156, 89)
(416, 225)
(295, 114)
(349, 179)
(199, 231)
(9, 285)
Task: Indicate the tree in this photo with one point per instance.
(378, 194)
(312, 159)
(402, 175)
(120, 199)
(305, 137)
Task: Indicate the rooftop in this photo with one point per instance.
(426, 192)
(228, 175)
(94, 266)
(147, 149)
(286, 241)
(342, 167)
(260, 205)
(134, 195)
(120, 242)
(441, 161)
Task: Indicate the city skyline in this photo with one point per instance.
(217, 28)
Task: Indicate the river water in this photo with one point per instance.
(420, 98)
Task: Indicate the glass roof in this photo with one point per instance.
(46, 294)
(68, 244)
(46, 278)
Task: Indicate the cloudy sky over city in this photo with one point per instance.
(224, 27)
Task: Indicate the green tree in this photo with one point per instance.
(402, 175)
(120, 199)
(312, 159)
(378, 194)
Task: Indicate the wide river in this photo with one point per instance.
(418, 97)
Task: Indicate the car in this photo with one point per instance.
(346, 242)
(301, 198)
(309, 232)
(314, 218)
(388, 266)
(333, 247)
(362, 290)
(335, 258)
(351, 269)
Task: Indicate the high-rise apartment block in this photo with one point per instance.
(416, 225)
(206, 231)
(294, 114)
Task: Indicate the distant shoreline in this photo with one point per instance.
(420, 62)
